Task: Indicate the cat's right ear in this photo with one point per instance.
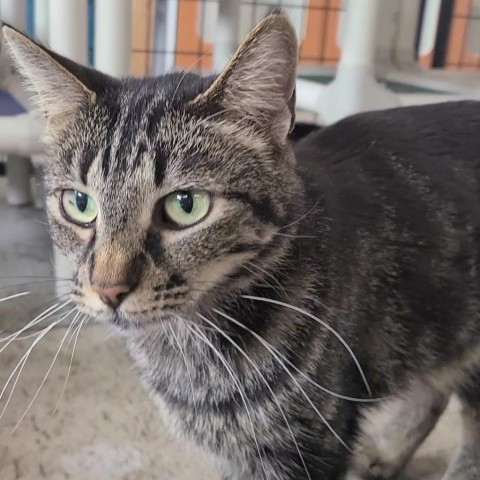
(60, 87)
(259, 81)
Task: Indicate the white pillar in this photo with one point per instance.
(18, 174)
(355, 88)
(113, 36)
(227, 33)
(41, 14)
(68, 24)
(171, 17)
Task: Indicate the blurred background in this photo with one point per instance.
(355, 55)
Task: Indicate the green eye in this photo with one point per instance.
(185, 208)
(78, 207)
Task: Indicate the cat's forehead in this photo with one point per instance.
(136, 127)
(158, 95)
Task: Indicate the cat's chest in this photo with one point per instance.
(193, 406)
(223, 436)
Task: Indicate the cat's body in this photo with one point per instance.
(266, 302)
(385, 254)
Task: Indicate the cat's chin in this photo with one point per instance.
(135, 325)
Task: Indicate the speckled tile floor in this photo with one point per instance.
(105, 427)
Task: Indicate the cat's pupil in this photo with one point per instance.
(186, 201)
(81, 200)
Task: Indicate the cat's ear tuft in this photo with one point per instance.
(260, 79)
(58, 91)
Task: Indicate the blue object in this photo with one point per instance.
(8, 105)
(31, 17)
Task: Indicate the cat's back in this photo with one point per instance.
(418, 158)
(399, 192)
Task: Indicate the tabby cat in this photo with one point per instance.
(298, 315)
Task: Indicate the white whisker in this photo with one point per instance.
(49, 369)
(189, 373)
(75, 334)
(23, 361)
(39, 318)
(277, 355)
(186, 72)
(309, 400)
(299, 219)
(235, 380)
(325, 325)
(16, 295)
(265, 381)
(269, 274)
(288, 235)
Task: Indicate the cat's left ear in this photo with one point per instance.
(259, 81)
(61, 87)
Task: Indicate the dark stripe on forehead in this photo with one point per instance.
(86, 162)
(262, 208)
(153, 247)
(153, 123)
(160, 160)
(107, 154)
(129, 132)
(106, 159)
(142, 148)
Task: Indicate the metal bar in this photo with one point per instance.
(443, 34)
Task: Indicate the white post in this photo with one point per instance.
(355, 88)
(41, 20)
(18, 173)
(68, 22)
(113, 36)
(171, 16)
(227, 33)
(68, 25)
(18, 167)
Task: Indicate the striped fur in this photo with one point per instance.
(262, 331)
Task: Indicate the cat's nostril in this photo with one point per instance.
(112, 295)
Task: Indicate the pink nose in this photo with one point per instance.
(112, 295)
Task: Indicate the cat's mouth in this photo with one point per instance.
(131, 316)
(126, 325)
(131, 322)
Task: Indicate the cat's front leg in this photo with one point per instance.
(465, 465)
(392, 431)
